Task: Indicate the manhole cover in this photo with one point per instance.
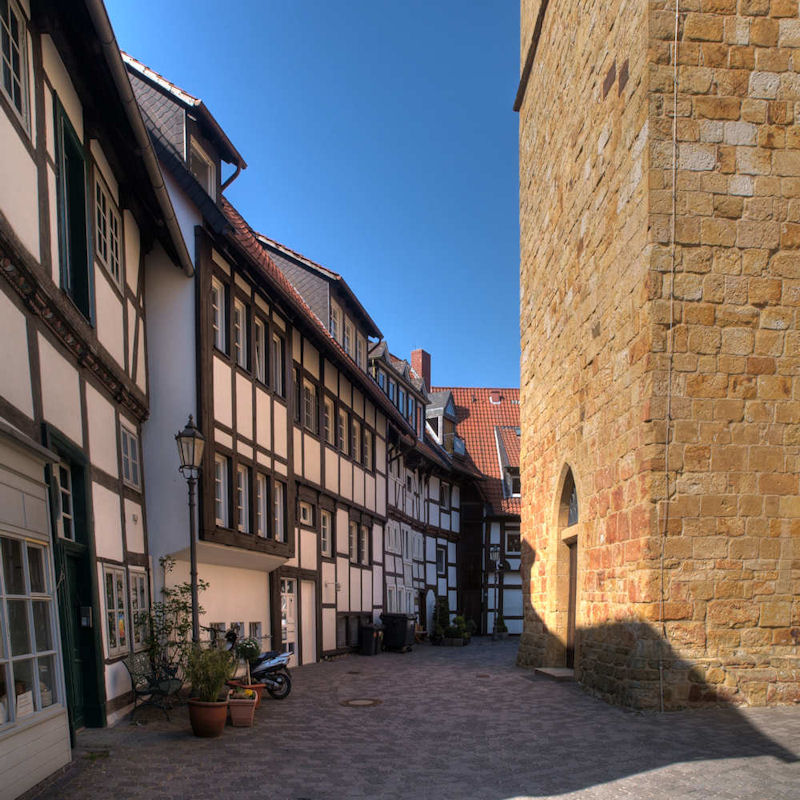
(361, 702)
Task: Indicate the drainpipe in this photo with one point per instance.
(108, 42)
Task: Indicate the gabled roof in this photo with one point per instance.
(246, 241)
(194, 104)
(401, 367)
(329, 275)
(441, 403)
(479, 413)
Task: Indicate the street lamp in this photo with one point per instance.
(190, 448)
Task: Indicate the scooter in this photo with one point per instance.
(271, 669)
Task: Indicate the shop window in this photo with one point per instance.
(28, 662)
(116, 614)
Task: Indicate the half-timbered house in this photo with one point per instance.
(83, 216)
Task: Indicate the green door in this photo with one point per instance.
(78, 621)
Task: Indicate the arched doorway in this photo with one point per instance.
(568, 517)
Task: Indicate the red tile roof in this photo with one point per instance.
(244, 236)
(510, 440)
(479, 412)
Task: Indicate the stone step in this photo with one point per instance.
(557, 673)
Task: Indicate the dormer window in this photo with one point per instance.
(512, 481)
(202, 167)
(335, 324)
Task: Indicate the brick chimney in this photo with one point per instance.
(421, 364)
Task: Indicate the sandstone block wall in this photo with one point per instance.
(600, 281)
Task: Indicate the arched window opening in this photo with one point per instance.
(569, 502)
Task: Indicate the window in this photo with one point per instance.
(406, 537)
(243, 498)
(240, 333)
(444, 495)
(306, 514)
(348, 337)
(513, 485)
(409, 483)
(326, 532)
(108, 231)
(66, 507)
(254, 631)
(355, 439)
(262, 505)
(27, 639)
(390, 599)
(363, 546)
(367, 444)
(334, 324)
(278, 349)
(139, 607)
(401, 398)
(411, 409)
(130, 456)
(218, 314)
(360, 350)
(327, 421)
(441, 560)
(202, 167)
(73, 225)
(392, 387)
(297, 394)
(343, 430)
(13, 62)
(353, 541)
(116, 616)
(310, 407)
(279, 511)
(221, 472)
(260, 350)
(513, 542)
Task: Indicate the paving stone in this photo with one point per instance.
(442, 732)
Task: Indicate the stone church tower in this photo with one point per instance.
(661, 516)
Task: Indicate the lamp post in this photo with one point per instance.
(190, 447)
(494, 558)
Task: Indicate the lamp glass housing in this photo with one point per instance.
(190, 446)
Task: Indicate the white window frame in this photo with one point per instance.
(366, 444)
(329, 423)
(342, 431)
(445, 496)
(221, 491)
(262, 505)
(401, 399)
(43, 598)
(355, 440)
(66, 518)
(279, 510)
(306, 515)
(391, 594)
(508, 534)
(363, 545)
(120, 607)
(278, 369)
(218, 314)
(240, 333)
(392, 390)
(326, 532)
(335, 322)
(349, 332)
(108, 230)
(360, 348)
(211, 186)
(310, 406)
(405, 536)
(243, 477)
(21, 46)
(260, 350)
(352, 541)
(139, 589)
(441, 571)
(131, 463)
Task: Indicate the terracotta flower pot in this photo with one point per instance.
(207, 719)
(258, 688)
(242, 712)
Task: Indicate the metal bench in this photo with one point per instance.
(157, 683)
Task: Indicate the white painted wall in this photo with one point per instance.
(60, 391)
(171, 354)
(107, 523)
(15, 375)
(102, 431)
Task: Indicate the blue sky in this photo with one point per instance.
(381, 142)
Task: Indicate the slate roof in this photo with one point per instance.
(477, 420)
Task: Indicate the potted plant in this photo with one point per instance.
(242, 704)
(500, 628)
(208, 670)
(248, 650)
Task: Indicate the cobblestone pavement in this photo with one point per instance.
(452, 723)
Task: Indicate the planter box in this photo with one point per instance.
(242, 712)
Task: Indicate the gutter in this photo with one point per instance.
(108, 42)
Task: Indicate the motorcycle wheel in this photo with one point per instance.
(282, 688)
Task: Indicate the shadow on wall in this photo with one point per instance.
(631, 664)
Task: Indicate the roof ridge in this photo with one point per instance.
(296, 254)
(149, 72)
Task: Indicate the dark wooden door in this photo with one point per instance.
(78, 620)
(571, 607)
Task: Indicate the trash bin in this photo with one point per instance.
(399, 633)
(371, 637)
